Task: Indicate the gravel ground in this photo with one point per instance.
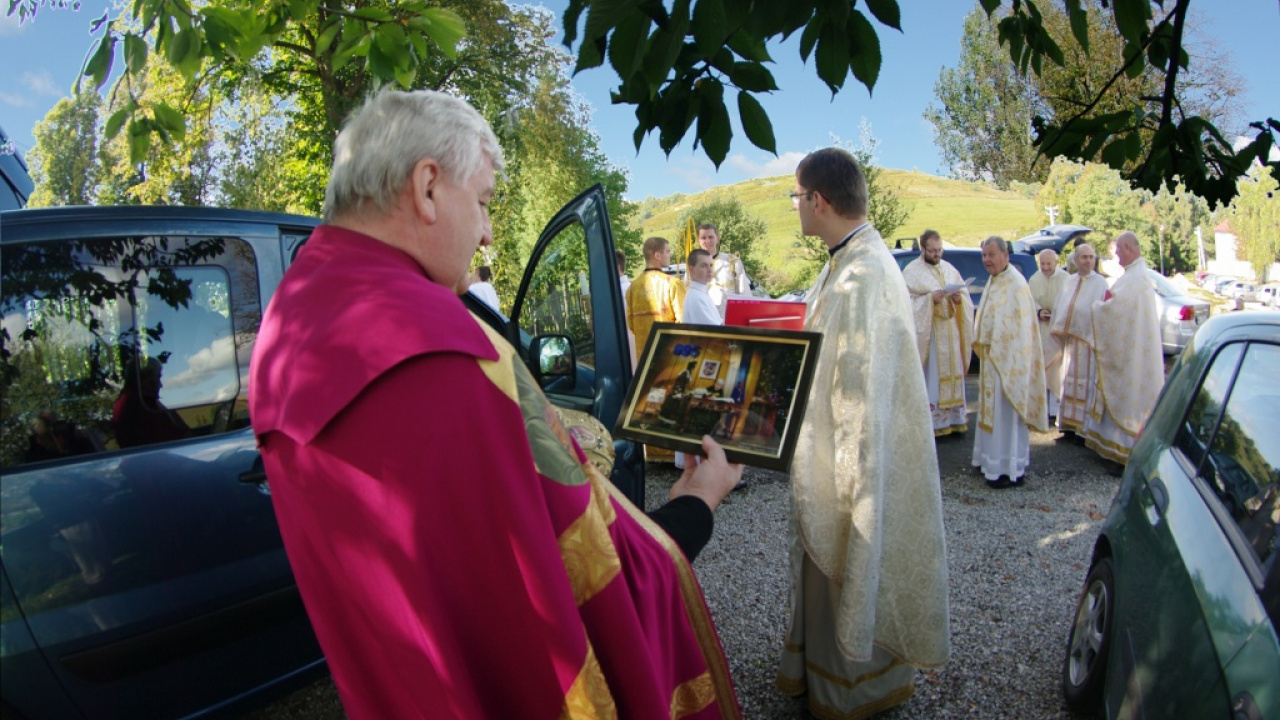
(1017, 558)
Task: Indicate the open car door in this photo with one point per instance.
(570, 290)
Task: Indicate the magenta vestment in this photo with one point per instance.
(457, 555)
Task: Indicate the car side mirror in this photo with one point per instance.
(555, 364)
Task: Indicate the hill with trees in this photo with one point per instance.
(964, 212)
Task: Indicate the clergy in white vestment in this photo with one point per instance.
(1011, 392)
(1072, 326)
(728, 275)
(699, 308)
(1126, 328)
(1046, 285)
(868, 556)
(944, 332)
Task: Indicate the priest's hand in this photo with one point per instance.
(710, 478)
(938, 295)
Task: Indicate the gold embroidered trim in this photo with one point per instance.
(791, 686)
(691, 697)
(588, 552)
(589, 697)
(956, 429)
(897, 697)
(792, 647)
(1106, 448)
(846, 682)
(498, 371)
(694, 605)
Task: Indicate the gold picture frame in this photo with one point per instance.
(746, 387)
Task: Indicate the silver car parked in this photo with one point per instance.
(1180, 314)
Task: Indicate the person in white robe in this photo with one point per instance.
(1046, 285)
(728, 275)
(1072, 326)
(868, 555)
(699, 308)
(944, 332)
(1011, 391)
(1126, 328)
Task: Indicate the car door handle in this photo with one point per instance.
(256, 475)
(1159, 500)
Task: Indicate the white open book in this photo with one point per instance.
(958, 286)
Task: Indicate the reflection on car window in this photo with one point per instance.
(558, 300)
(117, 343)
(1201, 420)
(1243, 465)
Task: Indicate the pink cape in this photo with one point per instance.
(457, 555)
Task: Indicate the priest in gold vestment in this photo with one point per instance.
(1045, 286)
(1126, 329)
(1073, 327)
(944, 332)
(654, 296)
(868, 556)
(1011, 392)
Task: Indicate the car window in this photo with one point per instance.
(1243, 463)
(558, 299)
(1202, 418)
(119, 343)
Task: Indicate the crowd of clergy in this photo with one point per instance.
(1064, 349)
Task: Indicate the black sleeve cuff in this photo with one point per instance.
(688, 521)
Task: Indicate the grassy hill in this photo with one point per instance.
(963, 212)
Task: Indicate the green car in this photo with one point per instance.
(1178, 614)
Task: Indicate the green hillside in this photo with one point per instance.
(963, 212)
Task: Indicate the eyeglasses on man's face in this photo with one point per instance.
(795, 197)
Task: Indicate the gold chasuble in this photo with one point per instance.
(1008, 342)
(654, 296)
(1126, 330)
(948, 326)
(868, 552)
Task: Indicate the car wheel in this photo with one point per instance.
(1084, 672)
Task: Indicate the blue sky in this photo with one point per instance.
(42, 57)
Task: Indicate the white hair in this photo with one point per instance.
(381, 142)
(999, 241)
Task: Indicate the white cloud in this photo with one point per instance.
(784, 164)
(217, 359)
(41, 83)
(697, 173)
(15, 100)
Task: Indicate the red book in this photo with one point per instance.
(761, 313)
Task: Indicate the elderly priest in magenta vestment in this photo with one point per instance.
(944, 332)
(867, 548)
(1011, 391)
(1126, 328)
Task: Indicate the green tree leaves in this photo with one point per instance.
(1255, 218)
(676, 64)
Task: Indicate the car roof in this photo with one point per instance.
(101, 221)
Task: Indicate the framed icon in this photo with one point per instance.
(746, 387)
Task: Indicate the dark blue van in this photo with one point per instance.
(143, 572)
